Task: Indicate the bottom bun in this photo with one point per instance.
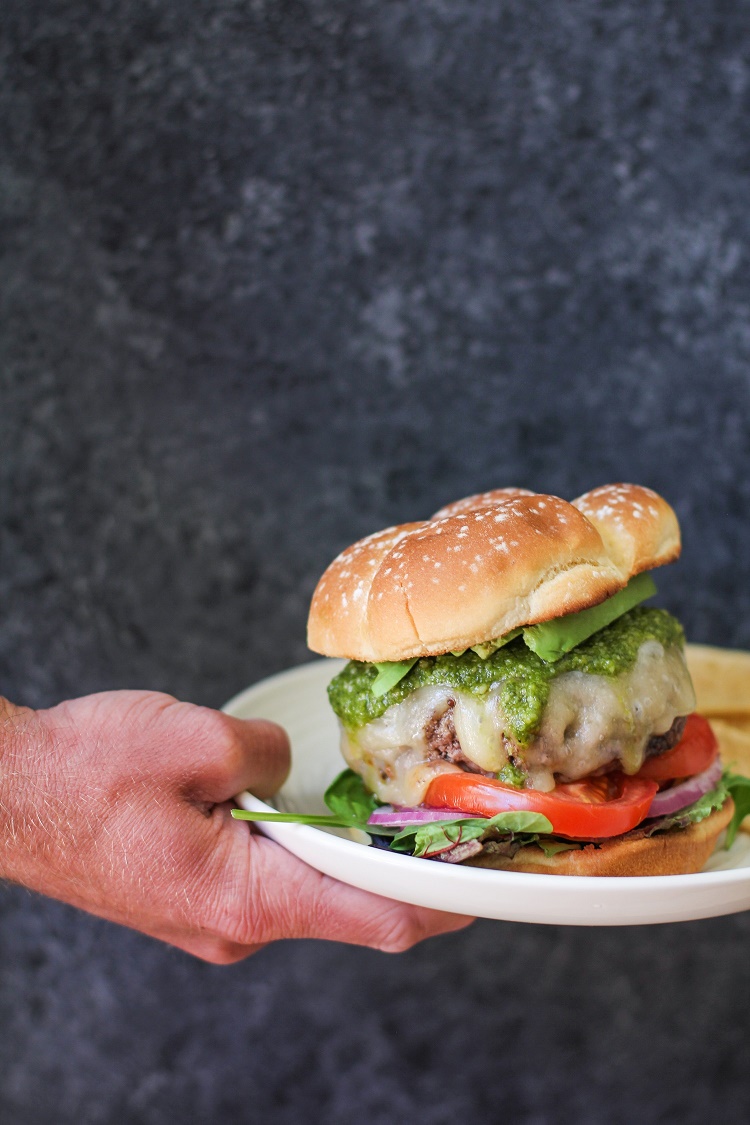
(680, 851)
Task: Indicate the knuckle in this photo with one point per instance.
(264, 755)
(221, 732)
(220, 951)
(397, 931)
(217, 746)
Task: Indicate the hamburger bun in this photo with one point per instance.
(679, 851)
(483, 566)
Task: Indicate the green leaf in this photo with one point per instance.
(692, 814)
(297, 818)
(438, 835)
(552, 639)
(389, 674)
(739, 791)
(348, 797)
(706, 804)
(554, 847)
(416, 836)
(431, 839)
(518, 822)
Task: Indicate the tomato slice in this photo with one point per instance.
(591, 809)
(693, 753)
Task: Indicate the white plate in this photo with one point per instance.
(297, 699)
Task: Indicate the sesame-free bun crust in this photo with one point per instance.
(680, 851)
(483, 566)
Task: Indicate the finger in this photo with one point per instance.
(236, 754)
(207, 947)
(217, 951)
(265, 757)
(214, 950)
(284, 898)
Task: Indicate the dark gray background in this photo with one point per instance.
(273, 275)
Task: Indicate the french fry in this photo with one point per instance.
(734, 746)
(722, 682)
(722, 687)
(738, 722)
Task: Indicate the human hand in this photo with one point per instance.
(119, 803)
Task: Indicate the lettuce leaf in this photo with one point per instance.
(683, 818)
(739, 790)
(348, 797)
(350, 802)
(351, 806)
(552, 846)
(440, 835)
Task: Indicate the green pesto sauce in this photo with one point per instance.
(523, 677)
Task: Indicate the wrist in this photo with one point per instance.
(17, 738)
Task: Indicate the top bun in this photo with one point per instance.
(485, 565)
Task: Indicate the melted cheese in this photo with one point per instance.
(391, 752)
(589, 723)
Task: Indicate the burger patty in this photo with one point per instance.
(442, 742)
(660, 743)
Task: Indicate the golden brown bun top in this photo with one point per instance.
(483, 566)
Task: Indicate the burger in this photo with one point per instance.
(509, 700)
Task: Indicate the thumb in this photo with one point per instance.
(241, 754)
(265, 757)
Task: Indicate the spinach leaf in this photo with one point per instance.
(297, 818)
(739, 791)
(351, 806)
(554, 847)
(439, 835)
(348, 798)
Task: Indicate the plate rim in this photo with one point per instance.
(573, 888)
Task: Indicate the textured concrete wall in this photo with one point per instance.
(272, 276)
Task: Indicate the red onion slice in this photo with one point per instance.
(388, 817)
(687, 792)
